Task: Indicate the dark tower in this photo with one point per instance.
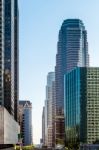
(9, 55)
(72, 51)
(16, 60)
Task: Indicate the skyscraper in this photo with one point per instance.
(43, 126)
(9, 71)
(53, 114)
(9, 55)
(72, 51)
(46, 122)
(25, 121)
(16, 59)
(49, 110)
(82, 105)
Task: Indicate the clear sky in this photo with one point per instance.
(40, 21)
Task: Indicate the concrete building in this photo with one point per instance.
(25, 121)
(9, 56)
(49, 97)
(53, 114)
(46, 122)
(9, 128)
(43, 126)
(72, 51)
(82, 105)
(49, 110)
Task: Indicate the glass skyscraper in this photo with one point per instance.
(9, 55)
(82, 105)
(25, 121)
(72, 51)
(49, 110)
(16, 59)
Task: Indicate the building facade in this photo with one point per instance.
(53, 114)
(9, 128)
(89, 147)
(43, 126)
(9, 55)
(25, 121)
(82, 105)
(16, 59)
(46, 123)
(49, 110)
(72, 51)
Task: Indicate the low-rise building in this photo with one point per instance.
(9, 128)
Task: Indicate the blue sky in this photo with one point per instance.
(40, 21)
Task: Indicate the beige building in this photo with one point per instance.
(49, 110)
(9, 128)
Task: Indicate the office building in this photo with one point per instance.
(46, 122)
(72, 51)
(16, 60)
(53, 114)
(48, 110)
(25, 121)
(9, 71)
(49, 98)
(43, 126)
(9, 56)
(89, 147)
(82, 105)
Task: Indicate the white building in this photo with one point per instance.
(9, 128)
